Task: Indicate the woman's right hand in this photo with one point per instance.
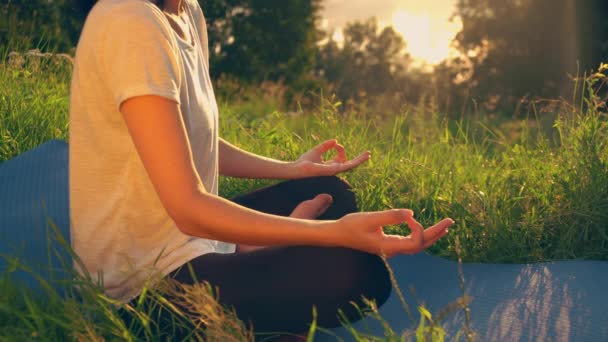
(364, 231)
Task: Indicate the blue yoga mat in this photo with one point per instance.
(561, 301)
(34, 207)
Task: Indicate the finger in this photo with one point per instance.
(437, 228)
(329, 169)
(351, 164)
(325, 146)
(436, 232)
(417, 234)
(341, 154)
(431, 241)
(397, 244)
(386, 217)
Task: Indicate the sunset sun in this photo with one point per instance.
(428, 38)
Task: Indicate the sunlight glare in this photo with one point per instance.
(428, 38)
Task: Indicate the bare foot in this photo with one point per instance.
(313, 208)
(310, 209)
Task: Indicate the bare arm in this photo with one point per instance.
(159, 135)
(235, 162)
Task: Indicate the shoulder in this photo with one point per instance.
(128, 35)
(127, 16)
(125, 8)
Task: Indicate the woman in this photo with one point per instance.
(144, 163)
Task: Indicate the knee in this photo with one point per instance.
(375, 277)
(367, 276)
(334, 183)
(345, 201)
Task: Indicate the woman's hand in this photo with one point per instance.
(311, 163)
(363, 231)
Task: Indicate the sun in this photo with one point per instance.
(428, 38)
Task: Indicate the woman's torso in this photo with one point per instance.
(119, 226)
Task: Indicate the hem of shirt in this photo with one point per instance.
(146, 90)
(163, 272)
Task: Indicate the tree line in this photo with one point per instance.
(509, 50)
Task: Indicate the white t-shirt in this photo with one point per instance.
(119, 228)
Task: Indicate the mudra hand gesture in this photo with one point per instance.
(311, 163)
(364, 231)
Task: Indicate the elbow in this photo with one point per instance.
(183, 224)
(184, 215)
(182, 218)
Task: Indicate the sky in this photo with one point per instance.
(425, 24)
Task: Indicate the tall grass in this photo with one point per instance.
(34, 101)
(531, 198)
(519, 191)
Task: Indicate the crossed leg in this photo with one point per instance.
(275, 288)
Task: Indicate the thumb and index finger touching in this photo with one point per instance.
(333, 144)
(326, 146)
(396, 216)
(419, 237)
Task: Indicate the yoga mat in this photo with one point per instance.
(560, 301)
(34, 193)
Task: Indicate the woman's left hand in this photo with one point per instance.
(311, 163)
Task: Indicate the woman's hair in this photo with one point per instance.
(85, 5)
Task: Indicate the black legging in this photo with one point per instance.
(275, 288)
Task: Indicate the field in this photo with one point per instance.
(519, 190)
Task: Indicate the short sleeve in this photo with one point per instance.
(138, 54)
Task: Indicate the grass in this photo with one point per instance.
(522, 191)
(533, 198)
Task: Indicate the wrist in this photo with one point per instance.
(328, 234)
(294, 170)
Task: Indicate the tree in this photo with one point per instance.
(263, 39)
(250, 39)
(368, 63)
(517, 48)
(50, 25)
(220, 15)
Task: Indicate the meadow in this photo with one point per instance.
(525, 190)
